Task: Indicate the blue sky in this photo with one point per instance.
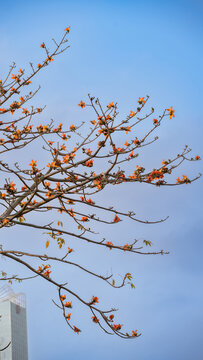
(121, 50)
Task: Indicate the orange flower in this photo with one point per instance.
(197, 157)
(40, 269)
(127, 247)
(109, 244)
(40, 128)
(131, 154)
(111, 317)
(63, 147)
(56, 163)
(89, 201)
(59, 127)
(66, 158)
(64, 137)
(28, 128)
(116, 150)
(14, 76)
(72, 128)
(126, 143)
(185, 179)
(15, 105)
(68, 316)
(134, 333)
(68, 304)
(117, 327)
(84, 218)
(49, 59)
(27, 82)
(155, 121)
(49, 195)
(42, 45)
(67, 29)
(93, 122)
(141, 100)
(128, 129)
(88, 151)
(47, 273)
(70, 250)
(132, 113)
(110, 105)
(33, 163)
(39, 66)
(71, 213)
(171, 112)
(94, 300)
(89, 163)
(81, 104)
(116, 219)
(63, 297)
(76, 329)
(95, 319)
(5, 221)
(155, 174)
(136, 142)
(178, 181)
(43, 269)
(12, 186)
(58, 186)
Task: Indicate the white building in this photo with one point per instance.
(13, 325)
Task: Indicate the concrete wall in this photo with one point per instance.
(13, 327)
(5, 330)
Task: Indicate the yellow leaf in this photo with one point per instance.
(47, 244)
(21, 219)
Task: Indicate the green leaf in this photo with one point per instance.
(147, 242)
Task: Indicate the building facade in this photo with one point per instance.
(13, 325)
